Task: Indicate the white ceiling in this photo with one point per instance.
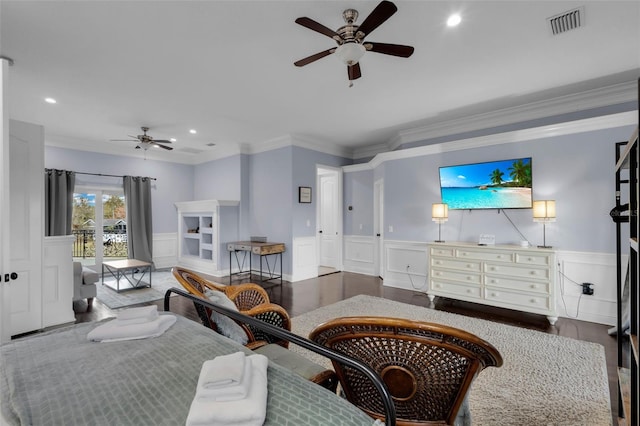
(225, 68)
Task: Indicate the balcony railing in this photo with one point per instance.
(114, 243)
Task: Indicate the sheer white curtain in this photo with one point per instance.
(137, 193)
(58, 201)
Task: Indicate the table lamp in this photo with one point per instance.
(439, 214)
(544, 211)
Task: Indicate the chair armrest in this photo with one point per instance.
(272, 314)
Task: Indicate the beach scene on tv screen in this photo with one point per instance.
(493, 185)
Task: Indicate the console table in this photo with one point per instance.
(264, 250)
(510, 277)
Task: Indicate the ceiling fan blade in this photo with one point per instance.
(315, 26)
(161, 141)
(354, 71)
(390, 49)
(381, 13)
(123, 140)
(312, 58)
(168, 148)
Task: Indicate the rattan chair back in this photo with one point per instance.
(249, 298)
(428, 368)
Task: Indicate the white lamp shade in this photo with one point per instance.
(544, 211)
(439, 212)
(350, 53)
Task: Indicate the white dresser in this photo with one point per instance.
(510, 277)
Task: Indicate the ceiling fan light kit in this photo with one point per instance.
(145, 141)
(350, 39)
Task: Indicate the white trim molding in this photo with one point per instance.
(359, 254)
(600, 269)
(303, 259)
(165, 250)
(406, 265)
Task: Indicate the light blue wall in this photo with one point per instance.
(358, 193)
(174, 181)
(218, 179)
(271, 202)
(305, 162)
(575, 170)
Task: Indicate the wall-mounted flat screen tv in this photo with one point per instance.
(504, 184)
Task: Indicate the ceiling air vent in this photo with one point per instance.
(567, 21)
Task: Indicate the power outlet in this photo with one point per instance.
(587, 289)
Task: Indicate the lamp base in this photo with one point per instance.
(438, 241)
(545, 246)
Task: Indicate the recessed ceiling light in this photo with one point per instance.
(50, 100)
(192, 131)
(173, 140)
(454, 20)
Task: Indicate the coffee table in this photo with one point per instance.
(119, 268)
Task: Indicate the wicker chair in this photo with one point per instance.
(428, 368)
(251, 300)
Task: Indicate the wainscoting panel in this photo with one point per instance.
(575, 268)
(406, 265)
(359, 254)
(165, 250)
(304, 259)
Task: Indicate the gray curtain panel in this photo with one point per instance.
(58, 201)
(137, 192)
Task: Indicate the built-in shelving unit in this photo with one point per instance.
(627, 163)
(203, 227)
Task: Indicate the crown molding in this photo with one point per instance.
(553, 130)
(596, 98)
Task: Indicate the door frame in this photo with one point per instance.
(338, 173)
(5, 266)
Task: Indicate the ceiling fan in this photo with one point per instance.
(351, 39)
(145, 141)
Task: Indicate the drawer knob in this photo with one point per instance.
(437, 286)
(493, 268)
(533, 300)
(530, 259)
(494, 294)
(494, 281)
(499, 256)
(438, 273)
(469, 290)
(534, 272)
(438, 262)
(469, 265)
(469, 278)
(534, 286)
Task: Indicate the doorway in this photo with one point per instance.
(99, 226)
(329, 219)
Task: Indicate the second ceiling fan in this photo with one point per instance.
(351, 39)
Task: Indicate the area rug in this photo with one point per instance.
(161, 281)
(545, 379)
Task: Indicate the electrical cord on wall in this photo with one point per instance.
(411, 280)
(561, 276)
(514, 226)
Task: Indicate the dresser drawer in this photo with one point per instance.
(534, 259)
(459, 265)
(510, 298)
(443, 251)
(485, 255)
(454, 289)
(462, 276)
(499, 282)
(517, 271)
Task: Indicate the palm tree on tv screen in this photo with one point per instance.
(521, 173)
(496, 177)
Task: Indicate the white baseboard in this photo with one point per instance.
(359, 254)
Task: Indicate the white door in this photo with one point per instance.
(328, 221)
(5, 316)
(26, 226)
(378, 225)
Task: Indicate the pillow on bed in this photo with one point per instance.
(226, 325)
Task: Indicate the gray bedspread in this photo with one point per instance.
(60, 378)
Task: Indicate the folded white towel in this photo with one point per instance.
(222, 371)
(137, 315)
(249, 411)
(111, 331)
(231, 392)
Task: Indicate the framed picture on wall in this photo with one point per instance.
(304, 194)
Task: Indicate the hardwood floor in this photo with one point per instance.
(304, 296)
